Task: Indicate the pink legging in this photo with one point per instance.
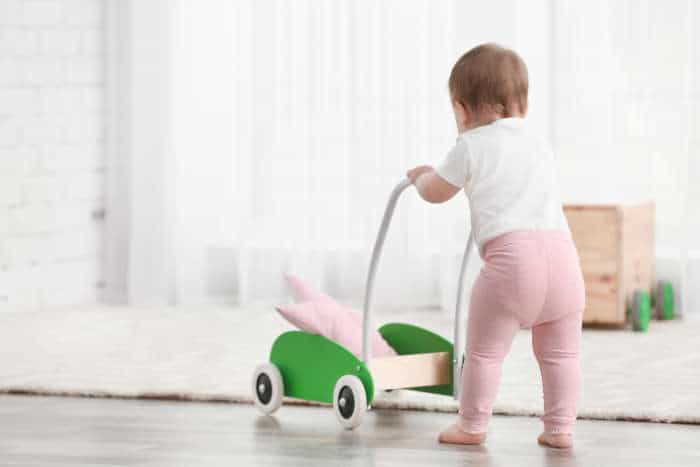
(530, 279)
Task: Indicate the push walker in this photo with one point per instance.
(313, 368)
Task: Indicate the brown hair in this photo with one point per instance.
(490, 79)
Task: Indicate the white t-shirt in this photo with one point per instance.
(508, 174)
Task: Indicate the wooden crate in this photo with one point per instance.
(616, 246)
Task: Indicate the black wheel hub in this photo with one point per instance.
(263, 388)
(346, 402)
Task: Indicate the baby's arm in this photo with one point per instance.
(431, 187)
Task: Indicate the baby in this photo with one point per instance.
(531, 276)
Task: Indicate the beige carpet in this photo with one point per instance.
(209, 354)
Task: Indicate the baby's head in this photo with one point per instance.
(487, 83)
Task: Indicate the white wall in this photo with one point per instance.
(51, 152)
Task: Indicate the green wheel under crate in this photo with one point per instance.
(640, 312)
(665, 304)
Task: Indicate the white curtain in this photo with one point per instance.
(626, 117)
(293, 122)
(289, 122)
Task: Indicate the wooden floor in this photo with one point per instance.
(53, 431)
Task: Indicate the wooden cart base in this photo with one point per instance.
(411, 371)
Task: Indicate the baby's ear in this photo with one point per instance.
(464, 109)
(461, 114)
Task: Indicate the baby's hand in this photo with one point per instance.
(416, 172)
(431, 187)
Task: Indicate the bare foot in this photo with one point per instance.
(454, 435)
(555, 440)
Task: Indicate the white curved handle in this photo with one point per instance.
(374, 262)
(369, 289)
(458, 342)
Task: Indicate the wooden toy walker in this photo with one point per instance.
(314, 368)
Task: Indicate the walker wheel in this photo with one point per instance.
(665, 306)
(349, 401)
(268, 388)
(641, 310)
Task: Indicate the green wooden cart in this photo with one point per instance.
(313, 368)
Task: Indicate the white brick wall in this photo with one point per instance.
(51, 152)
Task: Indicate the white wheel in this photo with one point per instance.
(349, 401)
(268, 388)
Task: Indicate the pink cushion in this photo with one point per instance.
(303, 292)
(335, 322)
(320, 314)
